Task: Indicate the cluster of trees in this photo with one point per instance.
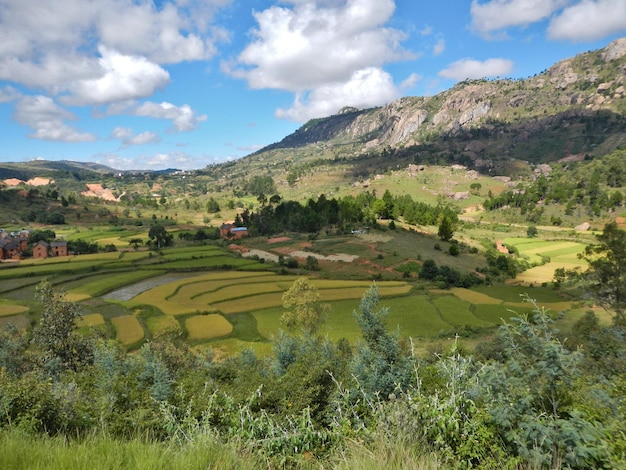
(446, 277)
(345, 214)
(527, 398)
(44, 216)
(592, 185)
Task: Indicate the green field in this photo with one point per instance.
(560, 254)
(227, 302)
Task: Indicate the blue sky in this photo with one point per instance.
(137, 84)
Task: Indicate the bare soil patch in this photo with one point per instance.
(335, 257)
(267, 256)
(278, 239)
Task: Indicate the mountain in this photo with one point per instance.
(53, 169)
(575, 109)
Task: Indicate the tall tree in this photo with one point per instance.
(55, 336)
(308, 312)
(446, 229)
(378, 365)
(606, 275)
(159, 237)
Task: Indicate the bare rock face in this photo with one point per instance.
(562, 74)
(615, 50)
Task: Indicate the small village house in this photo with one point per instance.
(41, 249)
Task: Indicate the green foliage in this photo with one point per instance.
(379, 365)
(60, 346)
(529, 398)
(606, 275)
(159, 237)
(446, 229)
(308, 312)
(259, 184)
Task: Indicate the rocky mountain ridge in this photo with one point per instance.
(577, 106)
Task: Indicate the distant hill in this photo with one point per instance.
(575, 108)
(53, 169)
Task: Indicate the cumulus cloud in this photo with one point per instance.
(410, 82)
(158, 161)
(122, 133)
(123, 77)
(127, 137)
(314, 43)
(366, 88)
(183, 118)
(58, 44)
(328, 53)
(589, 20)
(469, 68)
(46, 118)
(497, 15)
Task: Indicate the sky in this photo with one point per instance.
(137, 84)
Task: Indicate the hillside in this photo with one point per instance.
(575, 108)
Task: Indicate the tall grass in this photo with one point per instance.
(19, 451)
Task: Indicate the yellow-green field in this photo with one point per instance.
(204, 327)
(561, 254)
(7, 310)
(91, 320)
(162, 323)
(128, 330)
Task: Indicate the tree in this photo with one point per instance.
(446, 229)
(378, 365)
(159, 237)
(135, 242)
(531, 232)
(308, 312)
(529, 397)
(55, 335)
(212, 206)
(606, 275)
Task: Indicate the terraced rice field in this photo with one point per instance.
(561, 254)
(128, 330)
(205, 327)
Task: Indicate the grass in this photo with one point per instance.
(128, 330)
(91, 320)
(161, 323)
(457, 312)
(7, 310)
(495, 314)
(204, 327)
(561, 254)
(19, 451)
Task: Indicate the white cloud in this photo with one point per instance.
(158, 161)
(121, 133)
(469, 68)
(183, 117)
(313, 43)
(162, 36)
(143, 138)
(58, 45)
(497, 15)
(125, 134)
(589, 20)
(123, 77)
(410, 82)
(439, 47)
(46, 118)
(366, 88)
